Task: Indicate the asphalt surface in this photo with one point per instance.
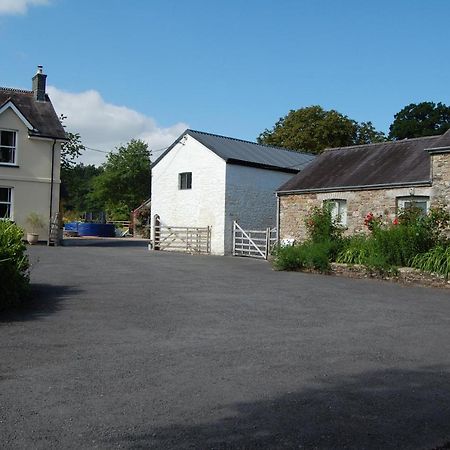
(126, 348)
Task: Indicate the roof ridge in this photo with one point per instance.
(349, 147)
(22, 91)
(248, 142)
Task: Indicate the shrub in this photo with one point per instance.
(436, 260)
(309, 255)
(14, 277)
(355, 250)
(321, 226)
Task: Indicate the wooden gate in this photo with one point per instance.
(253, 243)
(182, 239)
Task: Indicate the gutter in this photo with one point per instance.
(52, 182)
(368, 187)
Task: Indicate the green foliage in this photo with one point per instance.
(422, 119)
(436, 260)
(309, 255)
(78, 187)
(71, 149)
(355, 250)
(14, 278)
(321, 226)
(313, 129)
(124, 182)
(35, 221)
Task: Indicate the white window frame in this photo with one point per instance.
(10, 203)
(401, 201)
(338, 210)
(14, 162)
(188, 178)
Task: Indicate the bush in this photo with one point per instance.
(321, 226)
(14, 277)
(436, 260)
(309, 255)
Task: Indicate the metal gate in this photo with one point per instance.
(182, 239)
(253, 243)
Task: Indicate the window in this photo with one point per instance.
(7, 147)
(338, 211)
(420, 202)
(185, 180)
(5, 203)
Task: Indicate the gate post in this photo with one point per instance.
(234, 238)
(267, 242)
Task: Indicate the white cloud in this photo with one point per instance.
(19, 6)
(105, 126)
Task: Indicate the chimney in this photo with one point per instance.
(39, 81)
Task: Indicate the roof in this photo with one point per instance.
(41, 115)
(237, 151)
(385, 164)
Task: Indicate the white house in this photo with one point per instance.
(204, 179)
(30, 138)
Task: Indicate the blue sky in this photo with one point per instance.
(227, 67)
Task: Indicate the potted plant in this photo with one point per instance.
(35, 222)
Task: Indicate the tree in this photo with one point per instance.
(313, 129)
(71, 149)
(422, 119)
(125, 179)
(77, 188)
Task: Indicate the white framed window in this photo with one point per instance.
(8, 146)
(338, 210)
(185, 180)
(414, 201)
(6, 203)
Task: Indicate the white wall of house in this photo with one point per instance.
(201, 206)
(250, 198)
(30, 178)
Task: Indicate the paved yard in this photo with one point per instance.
(124, 348)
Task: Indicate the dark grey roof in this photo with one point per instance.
(396, 163)
(40, 114)
(237, 151)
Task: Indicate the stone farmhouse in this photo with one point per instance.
(379, 178)
(207, 180)
(30, 139)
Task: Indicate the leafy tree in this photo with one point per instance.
(124, 182)
(313, 129)
(422, 119)
(71, 149)
(77, 188)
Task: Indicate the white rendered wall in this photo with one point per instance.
(201, 206)
(31, 179)
(250, 199)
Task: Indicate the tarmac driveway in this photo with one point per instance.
(126, 348)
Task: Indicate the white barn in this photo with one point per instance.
(204, 180)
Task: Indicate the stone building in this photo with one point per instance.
(207, 180)
(378, 178)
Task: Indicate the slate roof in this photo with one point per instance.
(41, 115)
(397, 163)
(237, 151)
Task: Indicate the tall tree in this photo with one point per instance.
(422, 119)
(71, 149)
(313, 129)
(125, 180)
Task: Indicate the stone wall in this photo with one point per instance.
(440, 167)
(295, 208)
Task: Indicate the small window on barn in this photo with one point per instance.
(185, 180)
(419, 202)
(338, 211)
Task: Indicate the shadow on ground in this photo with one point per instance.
(45, 299)
(391, 409)
(105, 242)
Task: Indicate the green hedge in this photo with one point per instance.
(14, 276)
